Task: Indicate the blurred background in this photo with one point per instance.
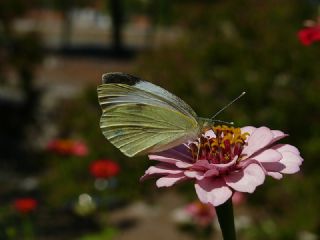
(59, 177)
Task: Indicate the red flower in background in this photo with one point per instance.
(309, 35)
(311, 32)
(104, 168)
(68, 147)
(25, 205)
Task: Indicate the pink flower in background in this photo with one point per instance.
(238, 198)
(68, 147)
(25, 205)
(104, 168)
(202, 214)
(224, 160)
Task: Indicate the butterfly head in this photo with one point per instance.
(208, 123)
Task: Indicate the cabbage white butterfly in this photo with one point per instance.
(139, 117)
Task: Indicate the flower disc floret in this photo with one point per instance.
(222, 147)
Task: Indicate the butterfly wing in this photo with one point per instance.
(140, 117)
(149, 89)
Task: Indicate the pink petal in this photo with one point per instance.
(179, 153)
(268, 155)
(194, 174)
(205, 165)
(286, 148)
(160, 169)
(146, 177)
(277, 135)
(291, 162)
(275, 175)
(170, 180)
(244, 163)
(222, 166)
(163, 169)
(248, 129)
(183, 165)
(212, 190)
(246, 180)
(273, 166)
(202, 165)
(162, 159)
(211, 173)
(260, 138)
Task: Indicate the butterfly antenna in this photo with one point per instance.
(225, 122)
(230, 103)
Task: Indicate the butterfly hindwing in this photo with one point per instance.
(138, 129)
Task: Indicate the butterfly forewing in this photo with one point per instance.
(113, 95)
(141, 120)
(149, 90)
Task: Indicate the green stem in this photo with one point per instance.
(226, 220)
(27, 228)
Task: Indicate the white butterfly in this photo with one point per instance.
(139, 117)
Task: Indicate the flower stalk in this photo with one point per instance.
(226, 220)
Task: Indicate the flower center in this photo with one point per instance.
(222, 148)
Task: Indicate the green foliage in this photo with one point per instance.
(106, 234)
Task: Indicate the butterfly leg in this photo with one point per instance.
(199, 146)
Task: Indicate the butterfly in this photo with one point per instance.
(139, 117)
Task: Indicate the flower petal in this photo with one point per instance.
(268, 155)
(273, 166)
(277, 135)
(148, 176)
(173, 155)
(159, 170)
(260, 138)
(183, 165)
(275, 175)
(286, 148)
(291, 162)
(170, 180)
(247, 179)
(213, 190)
(194, 174)
(248, 129)
(211, 173)
(202, 165)
(163, 168)
(222, 166)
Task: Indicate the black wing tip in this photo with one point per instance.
(119, 77)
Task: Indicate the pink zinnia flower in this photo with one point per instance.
(104, 168)
(68, 147)
(224, 160)
(25, 205)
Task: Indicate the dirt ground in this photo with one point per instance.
(152, 221)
